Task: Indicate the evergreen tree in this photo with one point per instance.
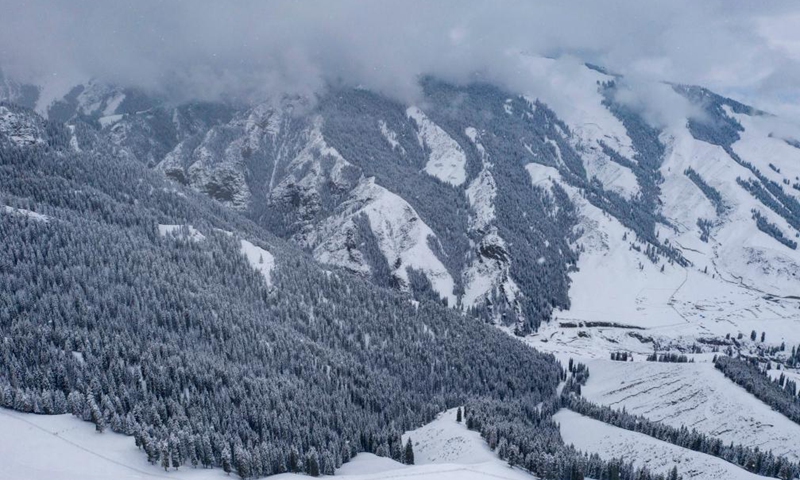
(226, 460)
(165, 456)
(242, 460)
(408, 456)
(312, 463)
(673, 474)
(294, 460)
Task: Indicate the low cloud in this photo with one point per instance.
(250, 50)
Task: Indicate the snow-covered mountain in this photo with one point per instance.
(581, 217)
(518, 207)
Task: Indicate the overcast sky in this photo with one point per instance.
(250, 49)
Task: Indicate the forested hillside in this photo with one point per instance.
(175, 338)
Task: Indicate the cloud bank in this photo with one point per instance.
(249, 49)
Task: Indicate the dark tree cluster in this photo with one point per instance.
(670, 357)
(621, 356)
(705, 226)
(578, 375)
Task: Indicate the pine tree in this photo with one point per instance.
(97, 417)
(294, 460)
(345, 452)
(175, 453)
(226, 460)
(408, 456)
(165, 456)
(208, 453)
(312, 463)
(673, 474)
(242, 460)
(458, 415)
(396, 448)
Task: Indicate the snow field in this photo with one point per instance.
(695, 395)
(609, 442)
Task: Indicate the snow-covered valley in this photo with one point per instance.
(695, 395)
(611, 442)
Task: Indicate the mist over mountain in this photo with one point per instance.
(253, 50)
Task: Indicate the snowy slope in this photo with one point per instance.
(290, 167)
(61, 447)
(482, 191)
(610, 442)
(485, 275)
(570, 88)
(446, 441)
(722, 292)
(696, 395)
(737, 249)
(447, 160)
(261, 260)
(26, 213)
(213, 167)
(402, 236)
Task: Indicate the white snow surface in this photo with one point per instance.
(62, 447)
(446, 441)
(27, 213)
(260, 259)
(447, 160)
(610, 442)
(403, 237)
(737, 250)
(181, 231)
(570, 88)
(109, 120)
(696, 395)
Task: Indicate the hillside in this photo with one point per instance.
(155, 312)
(75, 450)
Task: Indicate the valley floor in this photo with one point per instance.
(695, 395)
(609, 442)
